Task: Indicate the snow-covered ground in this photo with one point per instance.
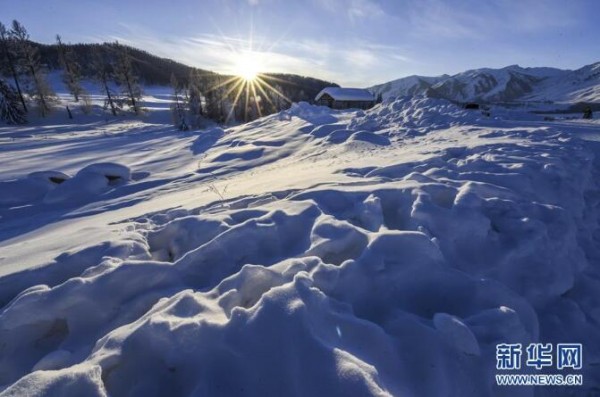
(308, 253)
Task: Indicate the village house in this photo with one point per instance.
(345, 98)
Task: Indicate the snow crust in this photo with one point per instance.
(313, 253)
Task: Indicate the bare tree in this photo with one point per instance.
(178, 106)
(7, 44)
(29, 59)
(86, 103)
(71, 69)
(194, 99)
(126, 78)
(10, 109)
(103, 75)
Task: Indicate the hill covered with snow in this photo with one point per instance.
(509, 84)
(153, 70)
(311, 252)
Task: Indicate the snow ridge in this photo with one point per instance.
(512, 83)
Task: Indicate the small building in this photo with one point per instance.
(345, 98)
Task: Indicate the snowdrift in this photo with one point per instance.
(435, 236)
(52, 187)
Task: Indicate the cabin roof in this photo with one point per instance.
(346, 94)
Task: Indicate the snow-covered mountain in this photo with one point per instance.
(407, 86)
(511, 83)
(581, 85)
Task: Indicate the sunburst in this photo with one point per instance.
(250, 86)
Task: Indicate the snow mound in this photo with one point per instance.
(51, 187)
(311, 113)
(55, 177)
(115, 173)
(89, 182)
(31, 188)
(207, 139)
(369, 137)
(412, 116)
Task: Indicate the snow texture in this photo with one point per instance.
(312, 252)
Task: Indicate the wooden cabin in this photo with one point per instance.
(345, 98)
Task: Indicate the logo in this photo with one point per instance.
(510, 356)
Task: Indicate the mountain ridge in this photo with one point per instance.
(508, 84)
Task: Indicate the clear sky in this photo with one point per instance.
(351, 42)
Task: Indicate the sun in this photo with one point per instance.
(250, 89)
(247, 65)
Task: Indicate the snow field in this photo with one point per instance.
(431, 237)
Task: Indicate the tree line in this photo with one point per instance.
(119, 71)
(25, 86)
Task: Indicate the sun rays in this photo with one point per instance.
(249, 92)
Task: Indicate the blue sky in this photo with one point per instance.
(351, 42)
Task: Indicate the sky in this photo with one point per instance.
(351, 42)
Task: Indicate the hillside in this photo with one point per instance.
(154, 70)
(509, 84)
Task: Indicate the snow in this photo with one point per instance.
(581, 85)
(538, 86)
(311, 252)
(92, 180)
(346, 94)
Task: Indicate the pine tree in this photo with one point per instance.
(103, 75)
(29, 60)
(71, 69)
(127, 79)
(10, 108)
(8, 48)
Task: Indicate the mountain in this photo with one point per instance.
(410, 85)
(581, 85)
(508, 84)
